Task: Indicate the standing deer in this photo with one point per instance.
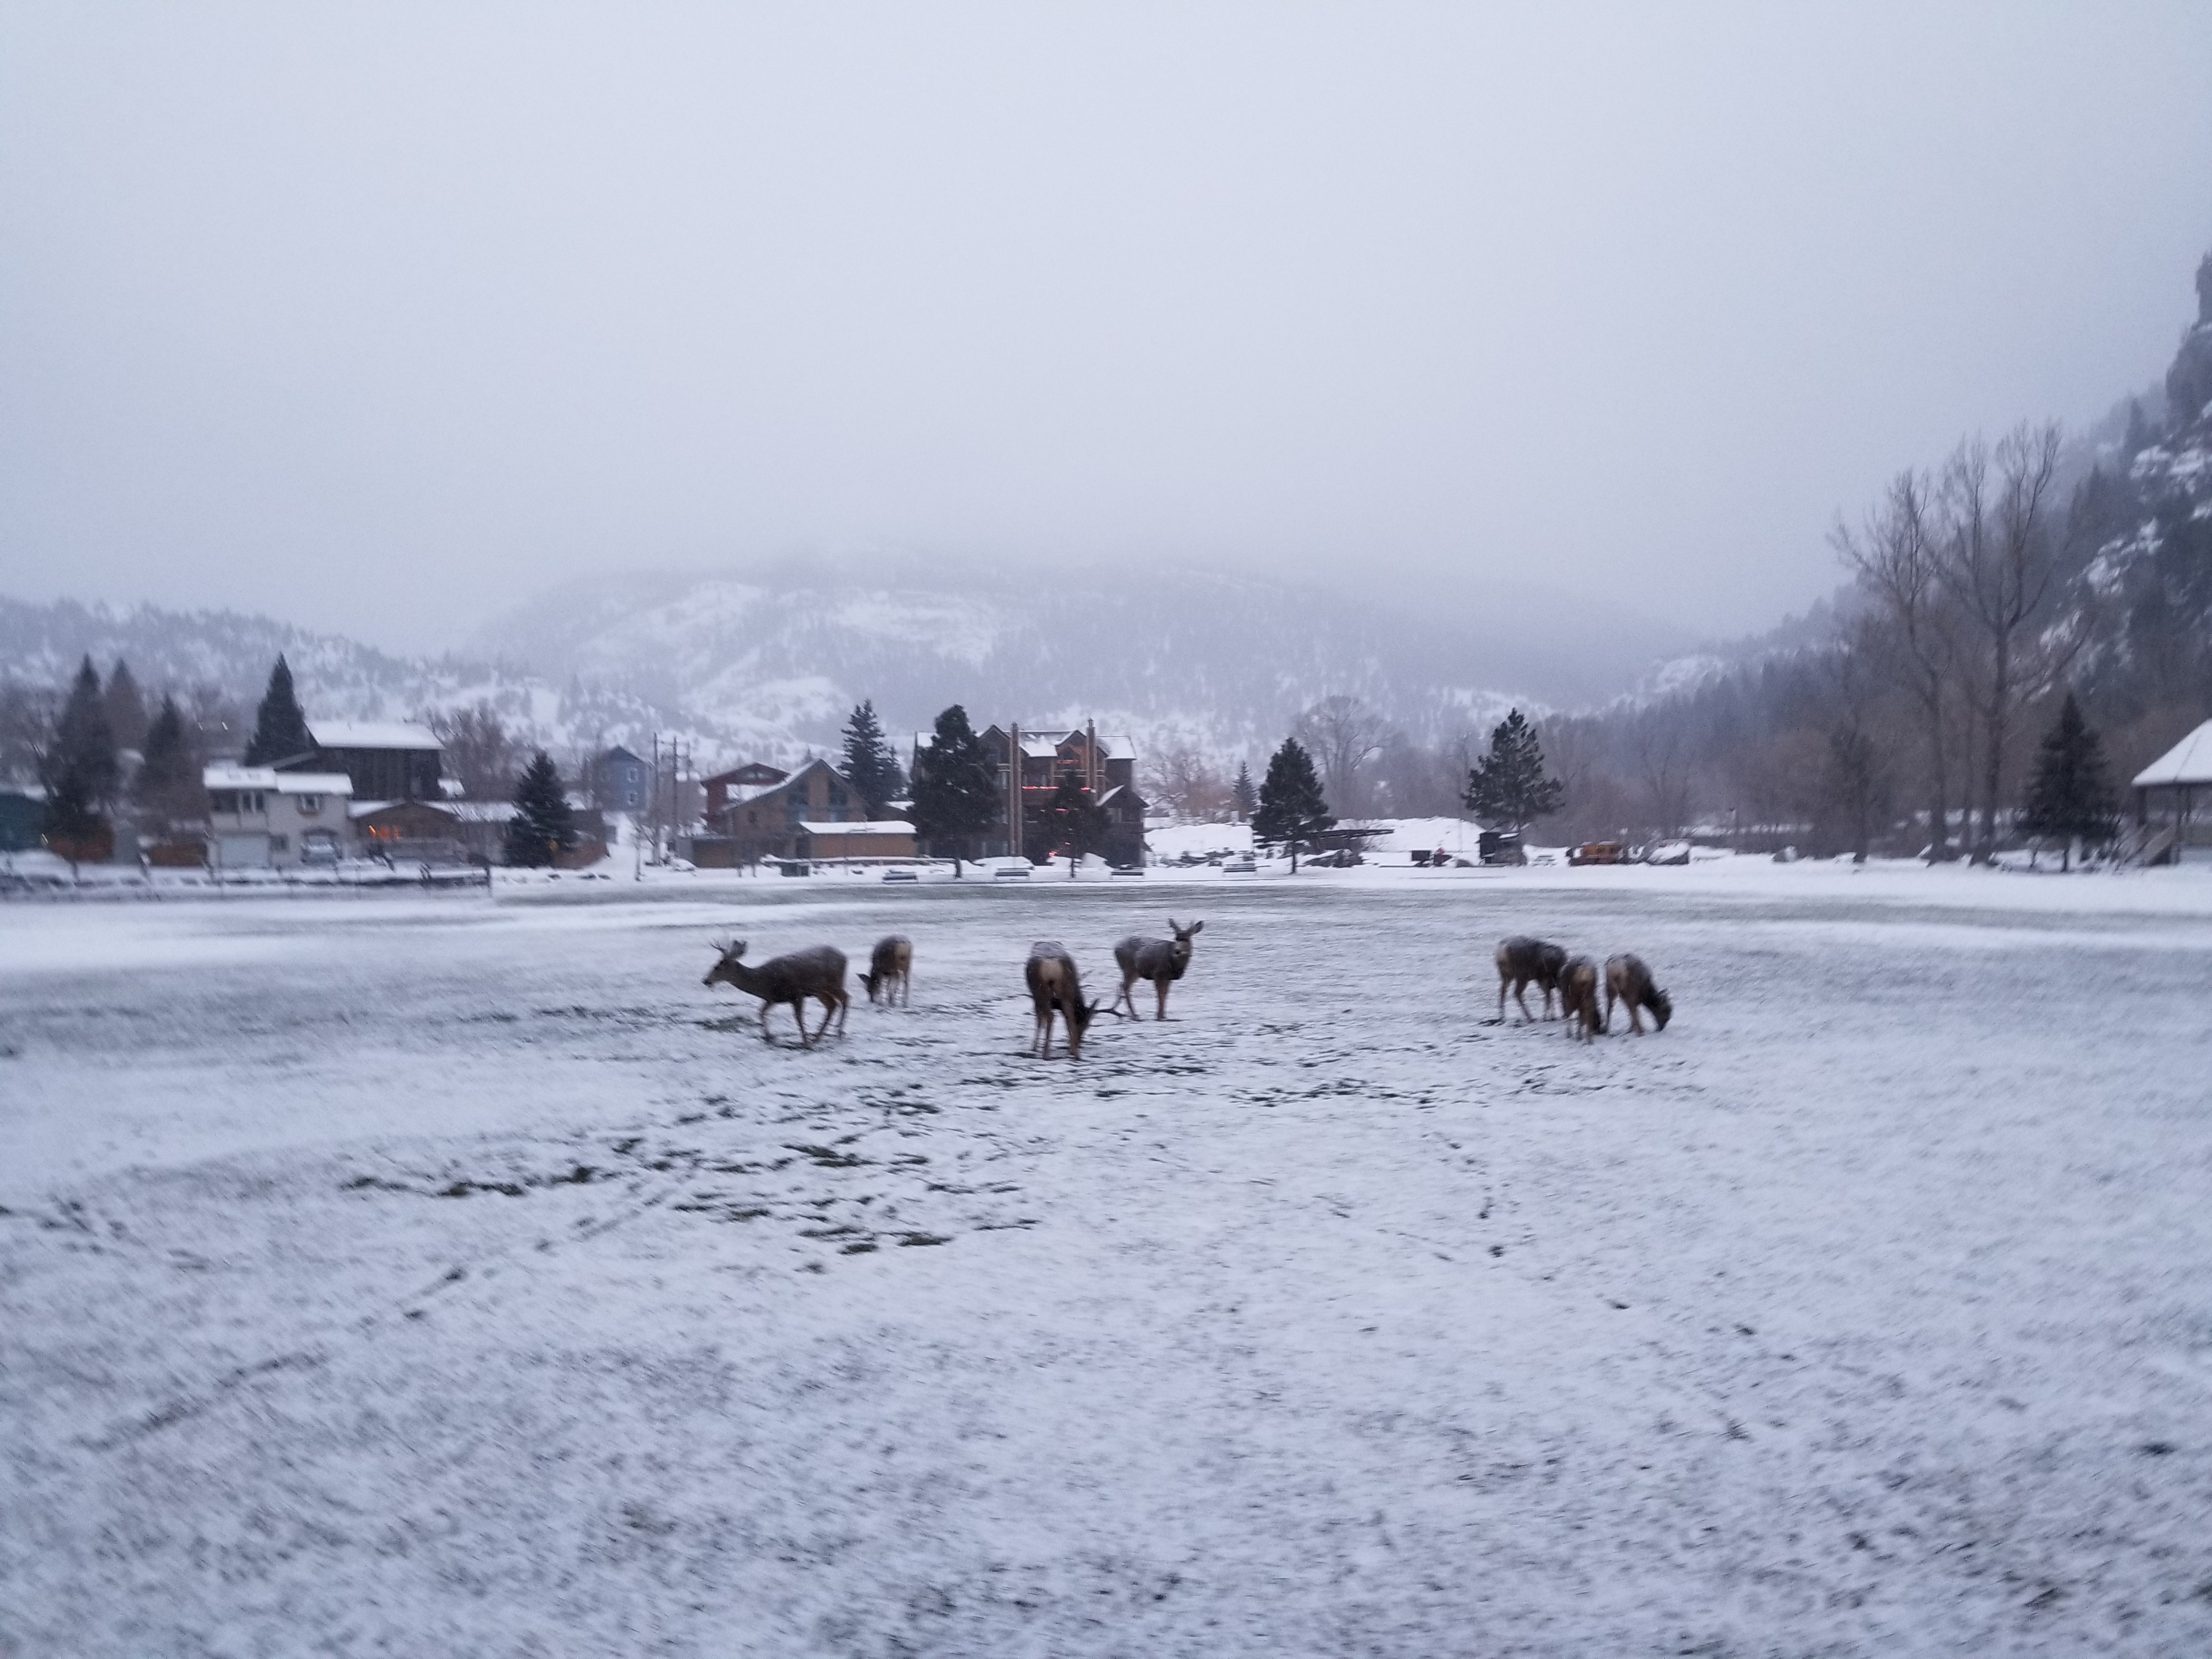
(890, 971)
(1159, 960)
(819, 972)
(1578, 998)
(1522, 962)
(1054, 987)
(1628, 980)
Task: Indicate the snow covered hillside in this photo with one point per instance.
(446, 1276)
(768, 665)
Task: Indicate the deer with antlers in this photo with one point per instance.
(1159, 960)
(817, 973)
(1054, 987)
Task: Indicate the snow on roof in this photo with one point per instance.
(870, 827)
(2188, 760)
(481, 812)
(372, 734)
(362, 809)
(223, 775)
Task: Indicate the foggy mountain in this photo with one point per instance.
(769, 663)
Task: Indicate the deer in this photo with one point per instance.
(1578, 999)
(1628, 980)
(1159, 960)
(1055, 987)
(890, 971)
(818, 972)
(1522, 962)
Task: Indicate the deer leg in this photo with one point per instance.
(844, 1007)
(1520, 996)
(766, 1035)
(1161, 1011)
(1635, 1016)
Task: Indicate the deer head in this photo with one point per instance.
(724, 970)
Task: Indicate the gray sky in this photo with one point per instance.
(378, 317)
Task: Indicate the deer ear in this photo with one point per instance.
(1197, 928)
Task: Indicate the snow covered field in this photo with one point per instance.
(429, 1276)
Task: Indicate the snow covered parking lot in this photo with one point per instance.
(429, 1276)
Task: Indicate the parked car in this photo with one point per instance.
(1240, 866)
(1598, 852)
(1017, 870)
(899, 872)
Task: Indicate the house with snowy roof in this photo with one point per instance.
(385, 760)
(2167, 793)
(260, 817)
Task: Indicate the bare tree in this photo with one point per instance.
(27, 724)
(2000, 561)
(479, 752)
(1662, 767)
(1184, 781)
(1897, 555)
(1343, 735)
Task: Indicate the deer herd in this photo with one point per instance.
(818, 975)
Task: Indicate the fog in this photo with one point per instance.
(380, 320)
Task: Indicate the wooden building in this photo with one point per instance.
(1107, 767)
(2169, 793)
(385, 760)
(778, 820)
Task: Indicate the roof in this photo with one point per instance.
(619, 753)
(223, 775)
(870, 827)
(481, 812)
(2188, 760)
(365, 809)
(373, 734)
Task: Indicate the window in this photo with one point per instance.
(836, 794)
(222, 800)
(279, 843)
(310, 805)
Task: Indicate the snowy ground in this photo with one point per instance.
(430, 1275)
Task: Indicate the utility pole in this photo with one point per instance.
(1014, 788)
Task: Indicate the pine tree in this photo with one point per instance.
(871, 766)
(280, 730)
(2069, 797)
(1246, 797)
(1292, 808)
(1508, 785)
(167, 785)
(956, 791)
(541, 826)
(1077, 824)
(126, 707)
(81, 773)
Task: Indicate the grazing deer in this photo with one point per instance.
(1522, 962)
(891, 969)
(1628, 980)
(1054, 987)
(1159, 960)
(818, 973)
(1578, 998)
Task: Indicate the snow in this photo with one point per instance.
(434, 1274)
(372, 734)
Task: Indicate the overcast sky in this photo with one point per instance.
(377, 317)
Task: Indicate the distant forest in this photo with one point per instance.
(1904, 714)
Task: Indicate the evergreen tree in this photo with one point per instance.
(1242, 792)
(956, 789)
(280, 730)
(167, 785)
(871, 765)
(541, 826)
(126, 707)
(2069, 797)
(1077, 822)
(1292, 808)
(81, 772)
(1508, 785)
